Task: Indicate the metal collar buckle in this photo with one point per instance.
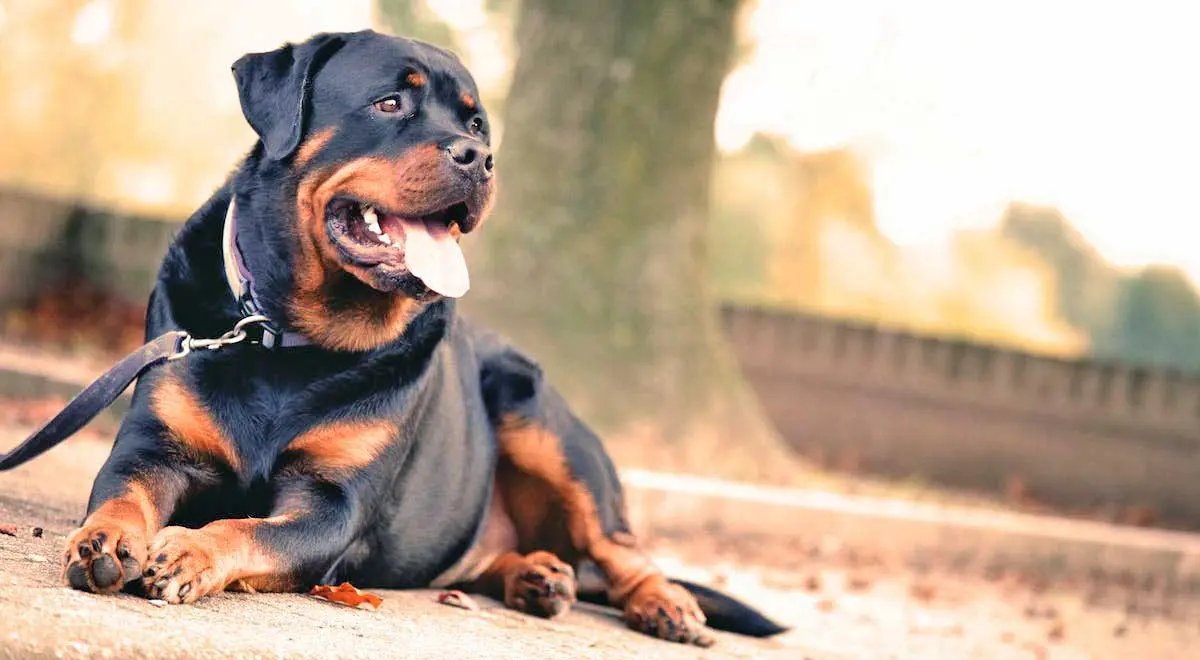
(237, 334)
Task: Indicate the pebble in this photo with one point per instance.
(158, 602)
(37, 558)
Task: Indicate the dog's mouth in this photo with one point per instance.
(397, 247)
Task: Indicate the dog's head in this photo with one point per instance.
(386, 148)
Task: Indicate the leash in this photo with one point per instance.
(94, 398)
(167, 347)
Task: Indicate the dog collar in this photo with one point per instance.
(241, 284)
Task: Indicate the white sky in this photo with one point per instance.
(963, 106)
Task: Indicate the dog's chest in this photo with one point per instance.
(260, 404)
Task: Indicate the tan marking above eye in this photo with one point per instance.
(415, 79)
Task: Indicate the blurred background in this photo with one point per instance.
(921, 250)
(758, 239)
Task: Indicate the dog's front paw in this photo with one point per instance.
(667, 611)
(183, 566)
(102, 556)
(540, 585)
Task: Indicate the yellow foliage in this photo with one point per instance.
(833, 259)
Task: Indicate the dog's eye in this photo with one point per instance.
(389, 104)
(476, 125)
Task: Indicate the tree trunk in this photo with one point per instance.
(595, 259)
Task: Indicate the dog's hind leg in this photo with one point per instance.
(538, 583)
(562, 492)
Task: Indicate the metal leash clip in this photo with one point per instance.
(237, 334)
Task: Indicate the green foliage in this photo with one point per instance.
(1157, 320)
(1151, 317)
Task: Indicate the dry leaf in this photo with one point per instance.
(922, 592)
(346, 594)
(8, 530)
(457, 598)
(858, 583)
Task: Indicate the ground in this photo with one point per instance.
(843, 602)
(41, 618)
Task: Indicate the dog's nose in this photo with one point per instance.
(471, 155)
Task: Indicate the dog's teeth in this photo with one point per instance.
(372, 220)
(387, 240)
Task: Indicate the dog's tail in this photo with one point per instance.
(723, 612)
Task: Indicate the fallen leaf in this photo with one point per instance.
(457, 598)
(922, 592)
(346, 594)
(858, 583)
(158, 602)
(8, 530)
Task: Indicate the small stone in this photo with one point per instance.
(37, 532)
(35, 558)
(158, 602)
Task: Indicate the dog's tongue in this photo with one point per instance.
(433, 255)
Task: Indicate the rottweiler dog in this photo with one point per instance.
(365, 432)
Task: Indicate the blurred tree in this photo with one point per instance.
(411, 18)
(1088, 286)
(1152, 317)
(596, 257)
(1157, 320)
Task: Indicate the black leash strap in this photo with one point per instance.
(105, 389)
(94, 398)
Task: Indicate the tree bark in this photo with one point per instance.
(595, 259)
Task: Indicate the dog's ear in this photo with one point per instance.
(274, 87)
